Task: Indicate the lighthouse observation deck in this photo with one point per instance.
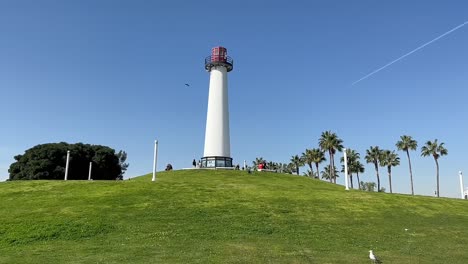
(219, 58)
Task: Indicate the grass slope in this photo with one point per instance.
(200, 216)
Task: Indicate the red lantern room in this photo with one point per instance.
(218, 58)
(218, 54)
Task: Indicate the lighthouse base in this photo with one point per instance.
(216, 162)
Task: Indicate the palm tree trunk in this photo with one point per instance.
(390, 177)
(437, 166)
(378, 178)
(351, 180)
(410, 172)
(311, 170)
(297, 169)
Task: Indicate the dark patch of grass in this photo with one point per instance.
(25, 233)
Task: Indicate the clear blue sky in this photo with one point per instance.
(113, 73)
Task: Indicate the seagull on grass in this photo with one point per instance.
(373, 257)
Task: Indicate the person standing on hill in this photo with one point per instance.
(194, 163)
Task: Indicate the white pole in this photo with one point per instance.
(155, 159)
(461, 185)
(346, 169)
(66, 166)
(90, 168)
(245, 165)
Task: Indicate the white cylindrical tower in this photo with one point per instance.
(460, 174)
(66, 165)
(345, 159)
(155, 160)
(217, 139)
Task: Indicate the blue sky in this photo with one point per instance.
(113, 73)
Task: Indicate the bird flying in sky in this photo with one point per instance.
(187, 84)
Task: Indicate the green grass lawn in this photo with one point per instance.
(200, 216)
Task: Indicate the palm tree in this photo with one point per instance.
(327, 174)
(367, 186)
(276, 166)
(331, 142)
(288, 168)
(280, 167)
(307, 158)
(352, 156)
(258, 161)
(407, 143)
(390, 159)
(373, 155)
(297, 161)
(317, 157)
(436, 150)
(357, 168)
(271, 165)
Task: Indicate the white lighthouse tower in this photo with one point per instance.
(217, 141)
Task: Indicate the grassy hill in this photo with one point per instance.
(197, 216)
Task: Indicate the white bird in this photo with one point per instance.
(373, 257)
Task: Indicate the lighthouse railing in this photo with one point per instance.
(218, 58)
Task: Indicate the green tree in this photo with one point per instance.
(373, 155)
(47, 162)
(317, 157)
(258, 161)
(122, 156)
(357, 168)
(287, 168)
(330, 142)
(407, 143)
(297, 161)
(307, 158)
(327, 174)
(271, 165)
(436, 150)
(280, 167)
(308, 173)
(390, 159)
(367, 186)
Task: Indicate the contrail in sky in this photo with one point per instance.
(409, 53)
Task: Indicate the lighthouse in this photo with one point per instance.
(217, 151)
